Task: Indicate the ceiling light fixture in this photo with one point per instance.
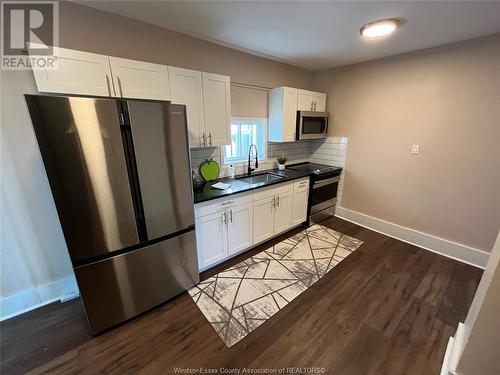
(380, 28)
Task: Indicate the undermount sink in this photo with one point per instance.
(261, 178)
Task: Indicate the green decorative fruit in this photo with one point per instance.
(209, 170)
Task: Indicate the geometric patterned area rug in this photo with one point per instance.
(239, 299)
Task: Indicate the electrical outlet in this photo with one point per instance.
(415, 149)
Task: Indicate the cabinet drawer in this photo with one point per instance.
(301, 185)
(273, 190)
(216, 205)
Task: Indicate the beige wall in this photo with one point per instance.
(92, 30)
(445, 99)
(482, 326)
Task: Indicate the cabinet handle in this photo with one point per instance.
(224, 217)
(278, 201)
(203, 139)
(210, 139)
(273, 205)
(120, 85)
(107, 84)
(312, 106)
(315, 105)
(231, 215)
(226, 203)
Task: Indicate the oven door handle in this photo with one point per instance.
(328, 181)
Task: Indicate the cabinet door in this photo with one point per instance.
(283, 212)
(289, 114)
(217, 104)
(299, 210)
(319, 100)
(187, 88)
(139, 79)
(263, 219)
(211, 239)
(240, 228)
(305, 100)
(77, 73)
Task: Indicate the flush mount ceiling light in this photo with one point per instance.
(379, 28)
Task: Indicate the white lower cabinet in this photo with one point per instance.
(283, 211)
(300, 199)
(226, 227)
(211, 239)
(239, 228)
(223, 229)
(263, 220)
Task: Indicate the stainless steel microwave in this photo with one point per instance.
(311, 125)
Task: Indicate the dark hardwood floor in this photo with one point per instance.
(389, 308)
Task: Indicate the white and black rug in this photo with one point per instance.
(239, 299)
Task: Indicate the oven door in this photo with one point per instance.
(323, 198)
(312, 125)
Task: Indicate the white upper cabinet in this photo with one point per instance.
(207, 96)
(311, 101)
(139, 79)
(187, 88)
(282, 114)
(319, 100)
(217, 103)
(305, 100)
(77, 72)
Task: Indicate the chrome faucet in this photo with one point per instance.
(250, 169)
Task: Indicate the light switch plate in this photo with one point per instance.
(415, 149)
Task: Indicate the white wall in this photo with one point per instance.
(33, 251)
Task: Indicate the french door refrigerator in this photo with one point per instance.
(120, 176)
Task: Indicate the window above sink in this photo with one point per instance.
(244, 132)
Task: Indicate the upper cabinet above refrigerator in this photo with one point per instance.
(77, 72)
(139, 79)
(207, 96)
(84, 73)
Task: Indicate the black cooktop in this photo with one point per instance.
(314, 168)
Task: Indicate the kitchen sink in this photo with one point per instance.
(261, 178)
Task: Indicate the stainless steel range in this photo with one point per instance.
(323, 190)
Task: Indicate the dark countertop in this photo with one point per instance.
(204, 192)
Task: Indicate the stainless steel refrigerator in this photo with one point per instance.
(120, 176)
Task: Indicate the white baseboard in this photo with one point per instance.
(450, 249)
(60, 290)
